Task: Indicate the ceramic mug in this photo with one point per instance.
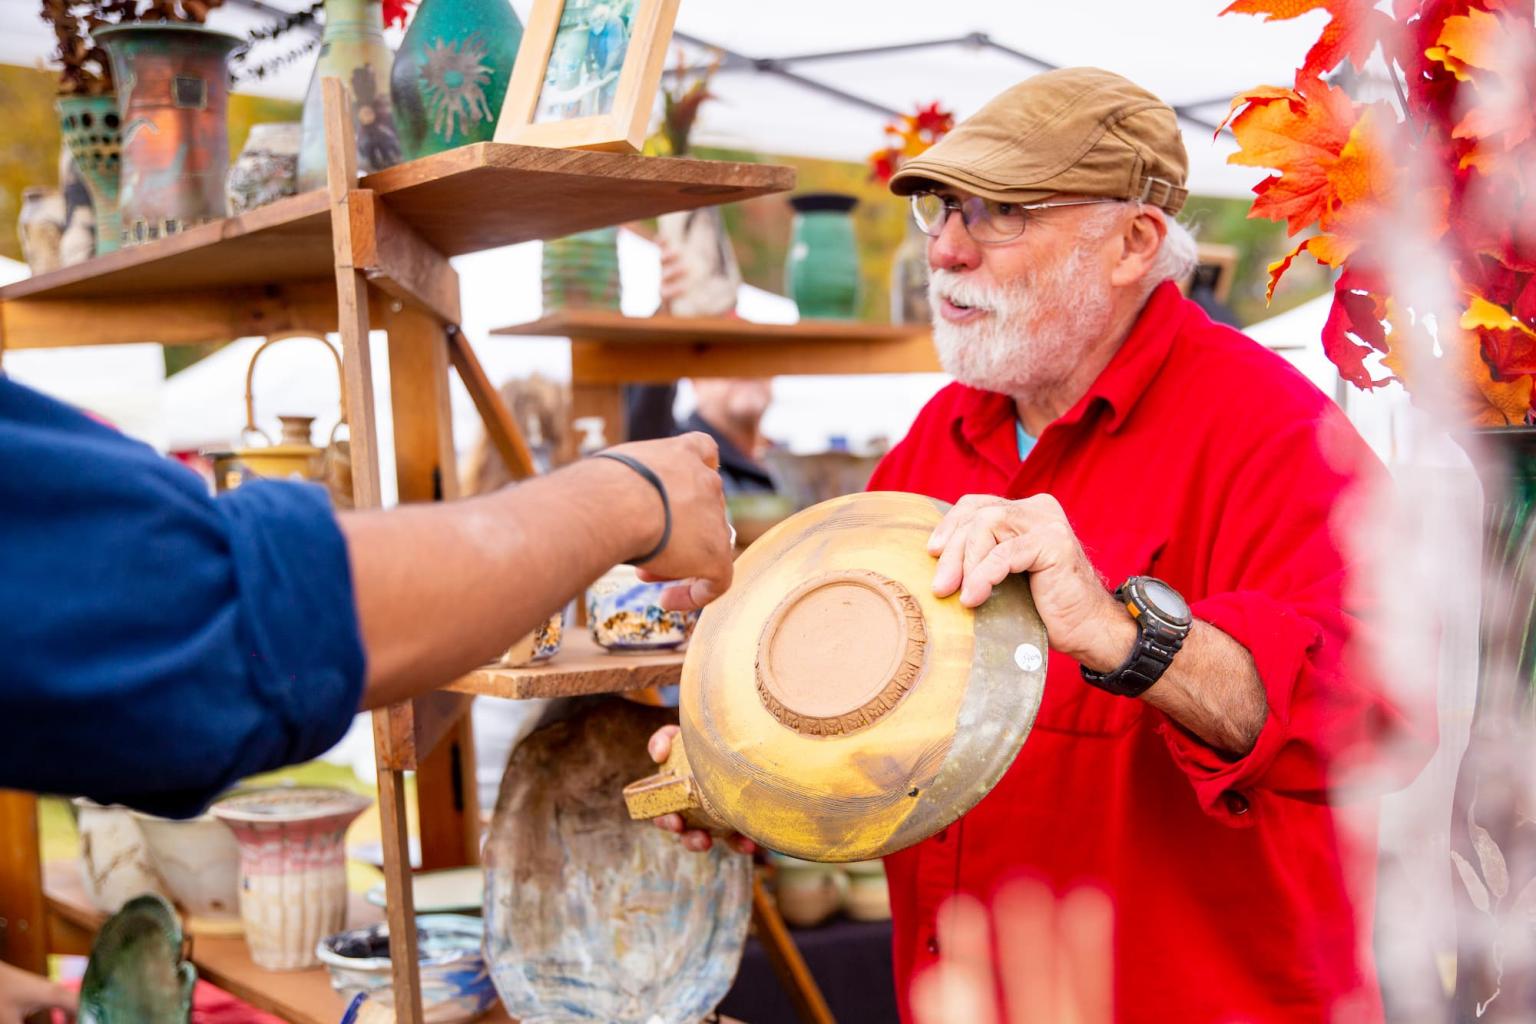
(625, 614)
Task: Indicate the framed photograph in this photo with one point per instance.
(587, 73)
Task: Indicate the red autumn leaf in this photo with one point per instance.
(1353, 30)
(397, 11)
(1299, 133)
(1342, 348)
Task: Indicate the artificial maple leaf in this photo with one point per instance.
(1508, 345)
(1340, 331)
(1299, 133)
(1497, 55)
(1353, 30)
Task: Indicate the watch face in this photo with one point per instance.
(1165, 601)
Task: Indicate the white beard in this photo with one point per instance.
(1029, 344)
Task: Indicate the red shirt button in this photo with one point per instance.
(933, 945)
(1235, 801)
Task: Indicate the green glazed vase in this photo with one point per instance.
(823, 268)
(93, 131)
(353, 50)
(451, 73)
(581, 271)
(136, 974)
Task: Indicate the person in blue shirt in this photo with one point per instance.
(160, 644)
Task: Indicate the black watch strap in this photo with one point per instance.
(1156, 644)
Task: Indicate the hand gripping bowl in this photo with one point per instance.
(832, 708)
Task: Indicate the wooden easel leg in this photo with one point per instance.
(786, 960)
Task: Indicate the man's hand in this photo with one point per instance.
(23, 994)
(984, 539)
(699, 552)
(695, 839)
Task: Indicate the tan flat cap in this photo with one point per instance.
(1081, 131)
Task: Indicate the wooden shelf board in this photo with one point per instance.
(465, 200)
(579, 669)
(615, 328)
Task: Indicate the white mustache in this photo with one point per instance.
(963, 291)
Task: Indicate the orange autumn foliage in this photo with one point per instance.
(1465, 76)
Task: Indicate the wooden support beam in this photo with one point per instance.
(398, 260)
(500, 426)
(23, 914)
(353, 323)
(785, 959)
(618, 363)
(172, 318)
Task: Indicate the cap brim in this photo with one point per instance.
(919, 175)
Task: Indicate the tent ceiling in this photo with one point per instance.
(1179, 49)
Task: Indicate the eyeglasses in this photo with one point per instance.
(987, 221)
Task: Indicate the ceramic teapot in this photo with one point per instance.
(832, 708)
(294, 456)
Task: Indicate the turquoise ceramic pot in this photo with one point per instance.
(451, 73)
(92, 130)
(823, 268)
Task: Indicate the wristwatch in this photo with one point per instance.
(1162, 622)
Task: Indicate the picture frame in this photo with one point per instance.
(587, 74)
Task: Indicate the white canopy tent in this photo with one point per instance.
(1181, 50)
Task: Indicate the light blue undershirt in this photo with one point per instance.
(1026, 440)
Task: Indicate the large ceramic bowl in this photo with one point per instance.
(625, 614)
(455, 984)
(199, 862)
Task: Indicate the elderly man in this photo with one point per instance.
(1170, 488)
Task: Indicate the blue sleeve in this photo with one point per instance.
(157, 644)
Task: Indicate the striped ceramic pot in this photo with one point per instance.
(293, 877)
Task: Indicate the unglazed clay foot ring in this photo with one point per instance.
(839, 652)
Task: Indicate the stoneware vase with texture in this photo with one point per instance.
(352, 49)
(198, 862)
(590, 916)
(115, 860)
(823, 266)
(293, 873)
(581, 271)
(711, 275)
(92, 130)
(267, 168)
(451, 73)
(173, 97)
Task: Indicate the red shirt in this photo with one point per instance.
(1205, 460)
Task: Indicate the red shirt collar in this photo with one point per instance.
(1126, 377)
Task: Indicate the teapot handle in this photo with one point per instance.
(672, 791)
(250, 379)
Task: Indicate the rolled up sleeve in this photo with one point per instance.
(161, 644)
(1290, 596)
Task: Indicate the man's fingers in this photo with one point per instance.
(1014, 555)
(741, 844)
(697, 840)
(705, 447)
(660, 745)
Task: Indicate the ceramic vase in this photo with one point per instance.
(1493, 841)
(40, 228)
(451, 73)
(455, 982)
(267, 168)
(581, 271)
(590, 916)
(625, 615)
(92, 130)
(173, 97)
(117, 865)
(710, 274)
(293, 876)
(198, 861)
(352, 49)
(823, 266)
(909, 279)
(78, 242)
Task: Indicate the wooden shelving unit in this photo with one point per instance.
(373, 253)
(364, 254)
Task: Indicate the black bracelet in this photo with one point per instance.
(666, 506)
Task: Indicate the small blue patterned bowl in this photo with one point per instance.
(455, 984)
(625, 614)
